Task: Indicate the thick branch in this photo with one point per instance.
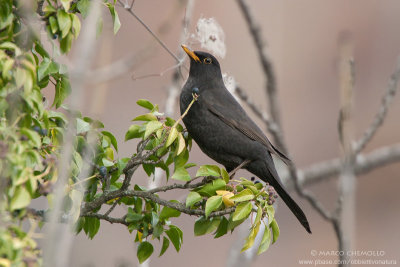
(364, 163)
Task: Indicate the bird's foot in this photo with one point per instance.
(241, 165)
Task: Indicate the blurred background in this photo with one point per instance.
(302, 40)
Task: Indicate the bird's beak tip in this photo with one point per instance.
(190, 53)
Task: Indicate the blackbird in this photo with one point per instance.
(224, 131)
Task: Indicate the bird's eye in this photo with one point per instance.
(207, 60)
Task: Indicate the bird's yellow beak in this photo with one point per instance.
(191, 53)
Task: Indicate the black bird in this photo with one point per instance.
(224, 131)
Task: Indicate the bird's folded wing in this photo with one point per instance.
(247, 127)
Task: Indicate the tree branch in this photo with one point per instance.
(383, 109)
(363, 164)
(274, 126)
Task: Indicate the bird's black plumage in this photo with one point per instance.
(223, 130)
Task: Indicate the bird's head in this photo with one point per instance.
(203, 65)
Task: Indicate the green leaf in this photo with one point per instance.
(133, 132)
(82, 126)
(112, 138)
(66, 42)
(212, 204)
(208, 170)
(176, 236)
(165, 245)
(20, 77)
(76, 25)
(204, 226)
(244, 195)
(53, 25)
(93, 225)
(20, 198)
(168, 212)
(107, 163)
(210, 188)
(144, 251)
(66, 4)
(271, 214)
(63, 89)
(259, 214)
(133, 217)
(275, 230)
(242, 211)
(252, 236)
(109, 152)
(180, 160)
(64, 22)
(114, 15)
(222, 228)
(46, 67)
(146, 117)
(39, 48)
(181, 144)
(154, 219)
(246, 182)
(192, 198)
(225, 175)
(151, 127)
(189, 165)
(145, 103)
(33, 136)
(181, 174)
(173, 134)
(265, 241)
(84, 7)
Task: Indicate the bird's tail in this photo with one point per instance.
(268, 174)
(296, 210)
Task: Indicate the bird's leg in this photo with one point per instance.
(241, 165)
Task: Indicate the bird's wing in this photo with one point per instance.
(240, 122)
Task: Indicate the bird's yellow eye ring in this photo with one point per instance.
(207, 60)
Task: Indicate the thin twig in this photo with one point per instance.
(383, 109)
(111, 208)
(273, 103)
(130, 11)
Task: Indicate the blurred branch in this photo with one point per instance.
(381, 114)
(250, 103)
(59, 238)
(274, 125)
(343, 220)
(119, 67)
(363, 164)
